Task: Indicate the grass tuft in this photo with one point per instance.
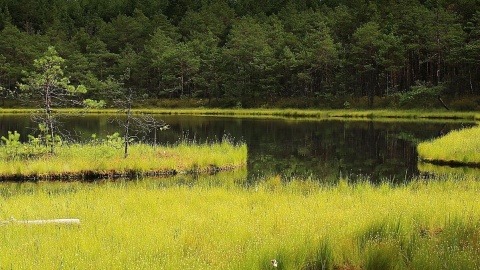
(458, 147)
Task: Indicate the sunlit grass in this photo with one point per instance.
(308, 113)
(90, 160)
(351, 114)
(302, 224)
(460, 146)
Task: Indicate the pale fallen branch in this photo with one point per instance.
(42, 221)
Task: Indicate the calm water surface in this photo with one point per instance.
(323, 149)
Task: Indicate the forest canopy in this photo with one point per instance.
(247, 50)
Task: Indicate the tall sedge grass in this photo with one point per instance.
(80, 160)
(301, 224)
(460, 146)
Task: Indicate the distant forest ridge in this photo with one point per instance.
(248, 50)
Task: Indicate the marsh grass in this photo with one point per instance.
(350, 114)
(322, 114)
(90, 160)
(224, 224)
(457, 147)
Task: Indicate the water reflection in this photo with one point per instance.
(234, 179)
(428, 168)
(300, 148)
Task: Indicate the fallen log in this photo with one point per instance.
(42, 221)
(443, 103)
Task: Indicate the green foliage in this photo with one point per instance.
(254, 52)
(12, 144)
(48, 85)
(14, 149)
(49, 80)
(115, 140)
(423, 95)
(89, 103)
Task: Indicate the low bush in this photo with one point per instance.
(421, 96)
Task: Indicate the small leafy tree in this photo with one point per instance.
(48, 85)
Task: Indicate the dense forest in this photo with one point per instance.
(249, 51)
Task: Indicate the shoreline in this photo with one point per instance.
(283, 113)
(89, 176)
(91, 162)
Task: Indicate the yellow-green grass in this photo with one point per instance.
(457, 147)
(297, 113)
(89, 160)
(147, 225)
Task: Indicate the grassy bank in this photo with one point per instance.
(296, 113)
(301, 224)
(106, 160)
(457, 147)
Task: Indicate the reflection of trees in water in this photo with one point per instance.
(332, 148)
(321, 149)
(428, 169)
(13, 122)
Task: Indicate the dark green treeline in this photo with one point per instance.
(248, 49)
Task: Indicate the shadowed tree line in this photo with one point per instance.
(243, 51)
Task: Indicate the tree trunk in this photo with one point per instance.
(49, 119)
(126, 137)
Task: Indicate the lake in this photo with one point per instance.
(321, 149)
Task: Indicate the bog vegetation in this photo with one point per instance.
(226, 223)
(100, 158)
(241, 53)
(457, 147)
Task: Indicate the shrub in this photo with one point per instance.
(422, 95)
(12, 144)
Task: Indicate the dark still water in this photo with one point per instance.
(320, 149)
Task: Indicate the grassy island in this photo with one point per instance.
(94, 160)
(460, 147)
(225, 224)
